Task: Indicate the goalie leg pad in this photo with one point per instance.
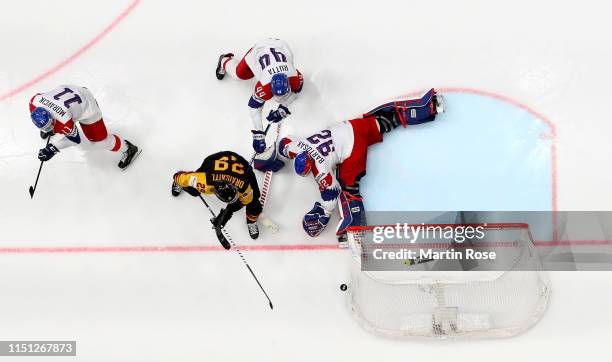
(407, 112)
(352, 212)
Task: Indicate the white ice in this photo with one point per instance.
(153, 77)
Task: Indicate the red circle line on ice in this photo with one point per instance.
(49, 72)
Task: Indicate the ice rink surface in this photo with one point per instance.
(111, 260)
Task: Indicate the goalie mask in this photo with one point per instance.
(226, 192)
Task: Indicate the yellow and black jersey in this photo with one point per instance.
(223, 167)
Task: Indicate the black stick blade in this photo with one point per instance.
(271, 306)
(31, 192)
(226, 245)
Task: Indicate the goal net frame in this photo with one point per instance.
(442, 304)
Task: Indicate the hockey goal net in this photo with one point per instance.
(453, 303)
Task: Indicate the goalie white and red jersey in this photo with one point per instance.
(340, 150)
(261, 62)
(70, 105)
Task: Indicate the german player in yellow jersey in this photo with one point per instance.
(230, 177)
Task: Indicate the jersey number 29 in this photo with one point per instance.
(224, 163)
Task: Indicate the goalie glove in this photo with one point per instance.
(316, 220)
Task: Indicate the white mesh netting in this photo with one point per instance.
(451, 303)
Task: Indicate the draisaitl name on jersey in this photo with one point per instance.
(430, 254)
(216, 177)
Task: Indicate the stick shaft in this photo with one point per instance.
(33, 189)
(239, 253)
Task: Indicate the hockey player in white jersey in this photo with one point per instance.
(59, 110)
(270, 62)
(337, 157)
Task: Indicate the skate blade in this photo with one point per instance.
(133, 159)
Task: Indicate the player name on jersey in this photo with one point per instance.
(278, 69)
(54, 107)
(217, 177)
(316, 156)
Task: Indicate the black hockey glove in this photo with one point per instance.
(222, 219)
(279, 114)
(192, 191)
(44, 135)
(47, 153)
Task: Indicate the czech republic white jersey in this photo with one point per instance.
(269, 57)
(68, 102)
(328, 148)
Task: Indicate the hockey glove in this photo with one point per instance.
(191, 191)
(259, 141)
(279, 114)
(47, 153)
(176, 187)
(44, 135)
(316, 220)
(220, 220)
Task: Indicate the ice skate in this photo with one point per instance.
(253, 230)
(220, 72)
(129, 155)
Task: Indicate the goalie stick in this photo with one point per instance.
(225, 239)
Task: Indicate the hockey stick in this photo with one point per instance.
(268, 175)
(33, 188)
(227, 237)
(266, 189)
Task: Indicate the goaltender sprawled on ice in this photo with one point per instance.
(337, 157)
